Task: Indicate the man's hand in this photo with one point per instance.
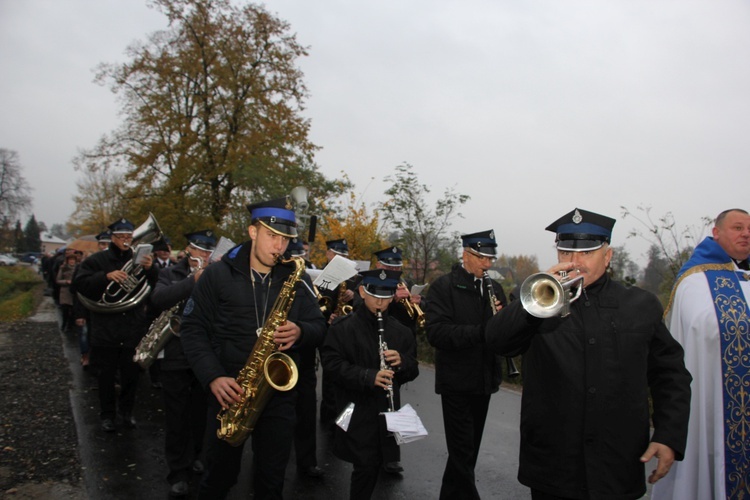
(392, 357)
(384, 379)
(226, 390)
(664, 456)
(117, 276)
(286, 335)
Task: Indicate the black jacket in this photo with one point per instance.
(174, 286)
(111, 329)
(351, 358)
(456, 315)
(220, 319)
(585, 407)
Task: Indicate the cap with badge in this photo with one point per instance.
(390, 257)
(104, 237)
(202, 240)
(581, 230)
(338, 246)
(121, 226)
(482, 243)
(295, 248)
(277, 215)
(380, 283)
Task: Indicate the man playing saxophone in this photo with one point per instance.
(222, 321)
(184, 398)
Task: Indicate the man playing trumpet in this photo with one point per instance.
(587, 375)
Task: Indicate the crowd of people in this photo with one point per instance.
(608, 384)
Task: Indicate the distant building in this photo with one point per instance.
(51, 243)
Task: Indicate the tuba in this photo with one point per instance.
(166, 326)
(121, 297)
(543, 296)
(266, 369)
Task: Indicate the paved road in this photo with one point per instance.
(130, 463)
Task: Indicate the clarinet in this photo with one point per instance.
(510, 365)
(382, 347)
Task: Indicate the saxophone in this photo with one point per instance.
(161, 331)
(266, 369)
(342, 308)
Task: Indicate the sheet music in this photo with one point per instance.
(338, 270)
(405, 424)
(222, 247)
(417, 289)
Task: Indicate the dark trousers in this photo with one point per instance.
(463, 417)
(539, 495)
(271, 443)
(364, 479)
(327, 400)
(305, 431)
(107, 361)
(185, 422)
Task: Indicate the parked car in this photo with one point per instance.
(7, 260)
(30, 257)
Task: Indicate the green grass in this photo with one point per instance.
(20, 292)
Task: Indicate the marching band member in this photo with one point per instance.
(587, 375)
(368, 374)
(184, 398)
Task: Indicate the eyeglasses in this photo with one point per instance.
(484, 257)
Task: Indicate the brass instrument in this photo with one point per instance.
(121, 297)
(323, 302)
(510, 365)
(166, 326)
(412, 309)
(382, 347)
(342, 308)
(543, 296)
(266, 369)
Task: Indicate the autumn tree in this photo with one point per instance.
(422, 228)
(98, 202)
(622, 267)
(213, 118)
(349, 219)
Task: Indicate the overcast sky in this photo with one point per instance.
(530, 107)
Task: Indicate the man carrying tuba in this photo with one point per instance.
(232, 315)
(115, 329)
(184, 397)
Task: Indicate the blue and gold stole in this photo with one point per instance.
(734, 333)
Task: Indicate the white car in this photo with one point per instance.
(7, 260)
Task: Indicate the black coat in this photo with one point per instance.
(220, 319)
(351, 359)
(456, 315)
(174, 286)
(111, 329)
(585, 407)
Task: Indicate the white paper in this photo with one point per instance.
(222, 247)
(345, 417)
(141, 251)
(338, 270)
(362, 265)
(417, 289)
(405, 424)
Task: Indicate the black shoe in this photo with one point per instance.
(197, 467)
(179, 489)
(108, 425)
(127, 421)
(393, 467)
(312, 471)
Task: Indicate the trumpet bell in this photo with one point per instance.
(543, 296)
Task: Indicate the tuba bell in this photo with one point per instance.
(543, 296)
(121, 297)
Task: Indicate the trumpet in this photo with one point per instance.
(412, 309)
(544, 296)
(510, 365)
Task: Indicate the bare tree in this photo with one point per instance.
(676, 245)
(422, 230)
(15, 193)
(98, 202)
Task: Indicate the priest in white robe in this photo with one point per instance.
(708, 315)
